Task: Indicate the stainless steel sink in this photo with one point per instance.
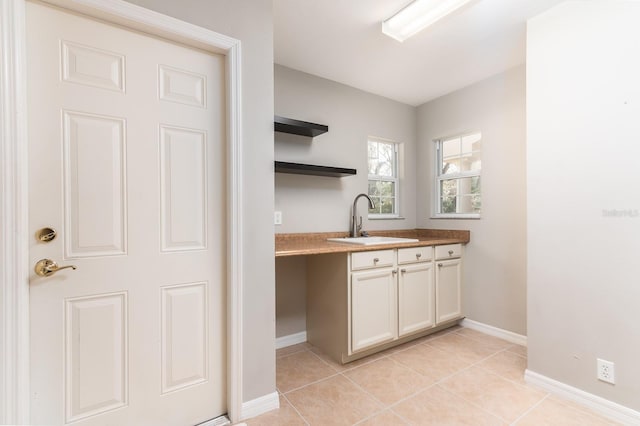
(370, 241)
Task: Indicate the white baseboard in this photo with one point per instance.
(218, 421)
(602, 406)
(291, 339)
(258, 406)
(507, 335)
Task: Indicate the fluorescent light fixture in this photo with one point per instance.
(417, 16)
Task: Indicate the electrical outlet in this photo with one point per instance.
(606, 371)
(277, 218)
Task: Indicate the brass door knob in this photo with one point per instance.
(47, 267)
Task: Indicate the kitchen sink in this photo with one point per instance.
(370, 241)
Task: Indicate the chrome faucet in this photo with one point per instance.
(356, 226)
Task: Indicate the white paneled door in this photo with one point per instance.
(127, 166)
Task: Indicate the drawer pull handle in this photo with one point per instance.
(450, 252)
(418, 255)
(376, 260)
(440, 265)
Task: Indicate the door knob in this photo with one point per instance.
(46, 267)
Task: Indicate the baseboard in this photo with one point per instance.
(602, 406)
(291, 339)
(261, 405)
(507, 335)
(218, 421)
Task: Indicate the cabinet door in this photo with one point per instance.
(448, 281)
(416, 304)
(373, 308)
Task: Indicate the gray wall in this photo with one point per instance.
(495, 260)
(251, 22)
(583, 109)
(291, 293)
(322, 204)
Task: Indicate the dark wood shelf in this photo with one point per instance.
(297, 127)
(311, 169)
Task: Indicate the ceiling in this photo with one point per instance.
(341, 40)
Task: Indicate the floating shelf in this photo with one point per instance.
(310, 169)
(297, 127)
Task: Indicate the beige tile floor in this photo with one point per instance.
(455, 377)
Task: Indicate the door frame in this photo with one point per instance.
(14, 190)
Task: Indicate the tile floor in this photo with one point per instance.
(456, 377)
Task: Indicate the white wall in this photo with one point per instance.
(495, 259)
(583, 115)
(322, 204)
(251, 22)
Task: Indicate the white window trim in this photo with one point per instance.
(438, 178)
(381, 216)
(395, 179)
(456, 216)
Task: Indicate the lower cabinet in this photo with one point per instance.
(416, 307)
(366, 301)
(448, 280)
(374, 310)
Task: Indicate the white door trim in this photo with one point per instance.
(14, 277)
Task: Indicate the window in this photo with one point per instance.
(458, 167)
(383, 177)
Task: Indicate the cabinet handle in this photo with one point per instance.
(440, 265)
(418, 255)
(450, 252)
(376, 260)
(403, 270)
(394, 272)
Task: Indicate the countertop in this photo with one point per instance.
(316, 243)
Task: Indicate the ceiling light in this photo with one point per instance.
(417, 16)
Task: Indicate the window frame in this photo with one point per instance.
(439, 177)
(379, 178)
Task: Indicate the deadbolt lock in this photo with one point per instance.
(46, 235)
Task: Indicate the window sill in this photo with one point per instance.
(385, 217)
(456, 216)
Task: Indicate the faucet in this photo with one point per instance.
(355, 226)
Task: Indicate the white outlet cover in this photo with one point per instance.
(606, 371)
(277, 218)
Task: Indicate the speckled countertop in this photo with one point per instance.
(316, 243)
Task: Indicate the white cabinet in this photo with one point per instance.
(448, 282)
(362, 302)
(391, 294)
(416, 307)
(373, 308)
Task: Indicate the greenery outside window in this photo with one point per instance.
(383, 178)
(458, 167)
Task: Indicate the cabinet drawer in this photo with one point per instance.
(415, 254)
(371, 259)
(448, 251)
